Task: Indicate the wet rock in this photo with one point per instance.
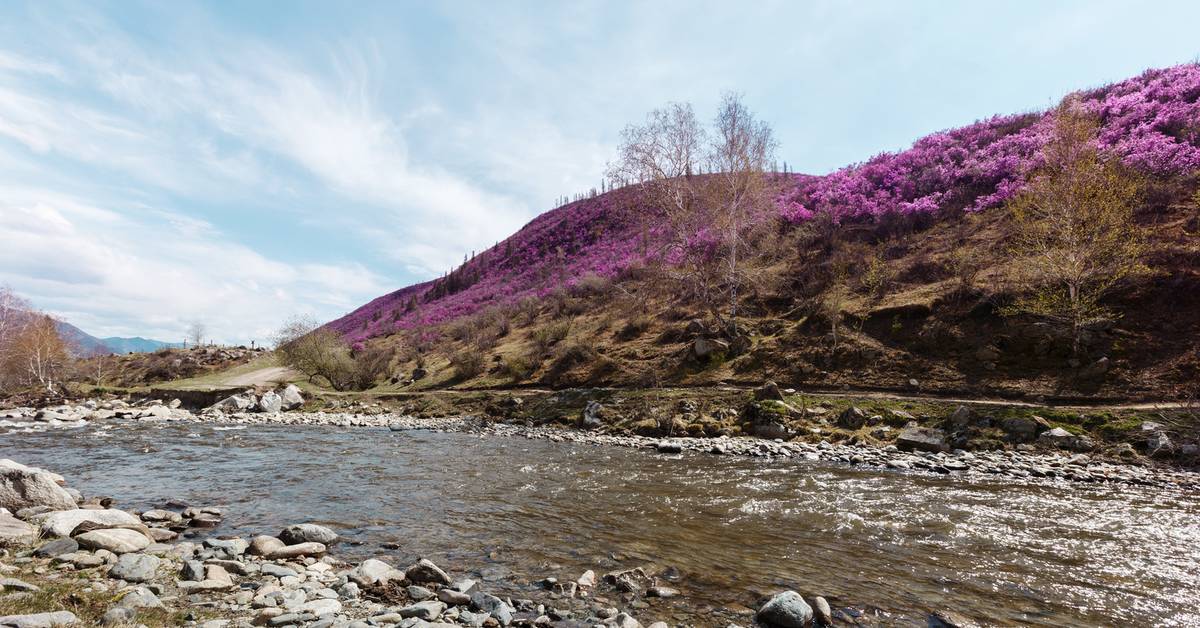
(134, 568)
(115, 540)
(665, 593)
(669, 447)
(786, 610)
(453, 598)
(263, 545)
(308, 533)
(167, 516)
(424, 571)
(621, 620)
(21, 488)
(822, 614)
(40, 620)
(921, 439)
(65, 522)
(954, 620)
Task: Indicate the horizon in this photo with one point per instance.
(154, 177)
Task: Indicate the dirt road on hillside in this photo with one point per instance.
(261, 376)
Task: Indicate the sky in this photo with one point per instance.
(238, 163)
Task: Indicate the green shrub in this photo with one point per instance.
(468, 364)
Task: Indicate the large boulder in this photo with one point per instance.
(769, 390)
(786, 610)
(1017, 426)
(372, 572)
(852, 418)
(704, 348)
(291, 398)
(308, 533)
(593, 416)
(234, 404)
(21, 488)
(425, 571)
(914, 437)
(270, 403)
(62, 523)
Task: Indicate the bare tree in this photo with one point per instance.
(711, 216)
(196, 332)
(40, 353)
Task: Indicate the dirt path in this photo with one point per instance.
(261, 376)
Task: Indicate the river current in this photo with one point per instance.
(885, 547)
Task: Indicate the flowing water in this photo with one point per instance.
(885, 546)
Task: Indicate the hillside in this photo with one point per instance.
(883, 275)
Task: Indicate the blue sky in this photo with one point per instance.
(235, 163)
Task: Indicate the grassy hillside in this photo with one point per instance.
(876, 276)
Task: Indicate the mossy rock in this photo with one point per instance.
(645, 427)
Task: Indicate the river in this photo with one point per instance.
(888, 547)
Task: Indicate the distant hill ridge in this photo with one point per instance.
(1152, 121)
(87, 344)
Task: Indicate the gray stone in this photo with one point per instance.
(769, 390)
(852, 418)
(233, 404)
(786, 610)
(263, 545)
(1057, 437)
(320, 607)
(63, 523)
(162, 515)
(424, 571)
(669, 447)
(371, 572)
(420, 594)
(1095, 369)
(20, 585)
(822, 614)
(1160, 446)
(194, 570)
(299, 549)
(57, 547)
(428, 610)
(453, 598)
(1019, 426)
(593, 416)
(960, 418)
(291, 398)
(921, 438)
(271, 569)
(705, 348)
(15, 531)
(118, 616)
(115, 540)
(621, 620)
(308, 533)
(139, 597)
(270, 403)
(134, 568)
(40, 620)
(21, 488)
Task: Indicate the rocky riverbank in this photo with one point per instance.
(112, 567)
(916, 449)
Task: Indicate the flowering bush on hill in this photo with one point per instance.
(1152, 122)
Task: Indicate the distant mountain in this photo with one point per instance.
(83, 342)
(136, 345)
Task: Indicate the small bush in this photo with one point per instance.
(560, 331)
(517, 367)
(592, 286)
(636, 325)
(468, 364)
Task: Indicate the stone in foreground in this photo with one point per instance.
(21, 489)
(62, 523)
(116, 540)
(786, 610)
(40, 620)
(921, 438)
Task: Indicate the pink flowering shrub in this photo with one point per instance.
(1152, 122)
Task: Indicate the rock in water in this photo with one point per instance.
(263, 545)
(270, 403)
(308, 533)
(821, 612)
(20, 489)
(786, 610)
(425, 571)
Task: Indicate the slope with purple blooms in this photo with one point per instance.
(1151, 122)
